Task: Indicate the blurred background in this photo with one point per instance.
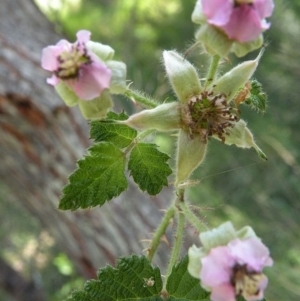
(235, 184)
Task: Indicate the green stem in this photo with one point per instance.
(177, 245)
(160, 231)
(139, 97)
(212, 70)
(191, 217)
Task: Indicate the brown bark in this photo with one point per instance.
(41, 139)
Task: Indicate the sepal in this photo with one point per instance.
(165, 117)
(233, 80)
(241, 136)
(182, 74)
(190, 154)
(96, 108)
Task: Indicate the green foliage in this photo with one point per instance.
(99, 177)
(133, 279)
(182, 286)
(149, 168)
(120, 135)
(257, 98)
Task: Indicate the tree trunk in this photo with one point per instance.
(41, 140)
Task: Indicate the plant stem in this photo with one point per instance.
(160, 231)
(177, 245)
(212, 70)
(142, 99)
(192, 218)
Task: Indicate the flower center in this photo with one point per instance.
(247, 284)
(208, 114)
(71, 61)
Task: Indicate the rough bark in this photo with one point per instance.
(41, 140)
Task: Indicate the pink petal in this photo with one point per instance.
(223, 293)
(53, 80)
(93, 79)
(251, 252)
(244, 24)
(264, 8)
(51, 53)
(83, 36)
(217, 12)
(217, 267)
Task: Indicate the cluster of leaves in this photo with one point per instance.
(135, 279)
(257, 98)
(101, 174)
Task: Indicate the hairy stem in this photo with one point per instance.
(177, 245)
(212, 70)
(140, 98)
(160, 231)
(191, 217)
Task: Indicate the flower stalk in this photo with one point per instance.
(160, 231)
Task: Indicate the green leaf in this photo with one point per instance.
(106, 130)
(99, 178)
(257, 99)
(182, 286)
(149, 168)
(134, 279)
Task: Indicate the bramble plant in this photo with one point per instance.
(229, 263)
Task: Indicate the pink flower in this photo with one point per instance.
(236, 269)
(77, 66)
(241, 20)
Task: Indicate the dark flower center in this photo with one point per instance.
(240, 2)
(246, 284)
(70, 62)
(208, 114)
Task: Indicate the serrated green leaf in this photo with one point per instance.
(128, 281)
(99, 178)
(149, 167)
(181, 286)
(257, 99)
(120, 135)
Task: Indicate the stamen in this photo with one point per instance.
(208, 114)
(71, 61)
